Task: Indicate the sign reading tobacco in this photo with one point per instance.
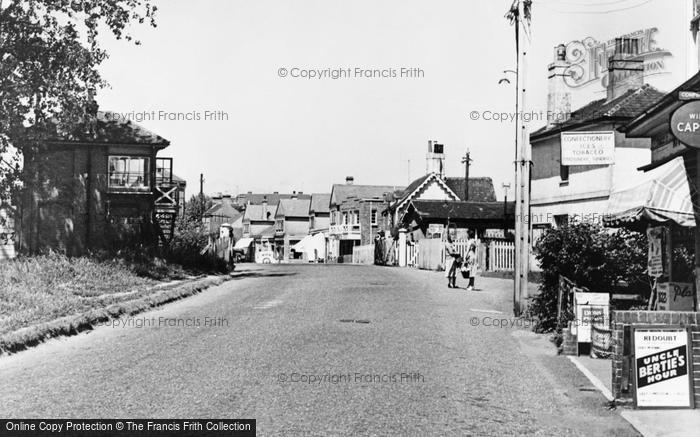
(685, 124)
(662, 361)
(587, 148)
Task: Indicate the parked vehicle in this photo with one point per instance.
(264, 252)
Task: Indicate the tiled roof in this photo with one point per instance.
(271, 198)
(294, 207)
(480, 189)
(110, 128)
(320, 202)
(439, 209)
(223, 210)
(343, 192)
(626, 106)
(260, 212)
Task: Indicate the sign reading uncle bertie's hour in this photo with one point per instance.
(663, 368)
(685, 124)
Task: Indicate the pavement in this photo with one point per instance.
(320, 350)
(650, 423)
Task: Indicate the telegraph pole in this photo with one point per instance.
(519, 15)
(466, 160)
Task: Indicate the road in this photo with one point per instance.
(319, 350)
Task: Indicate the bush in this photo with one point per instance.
(591, 256)
(186, 247)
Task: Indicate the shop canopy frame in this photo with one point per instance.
(664, 196)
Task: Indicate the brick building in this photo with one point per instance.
(291, 225)
(355, 215)
(97, 189)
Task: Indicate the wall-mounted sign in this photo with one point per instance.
(662, 367)
(587, 148)
(675, 296)
(589, 58)
(688, 95)
(685, 124)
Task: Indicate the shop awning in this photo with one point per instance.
(664, 195)
(300, 246)
(243, 243)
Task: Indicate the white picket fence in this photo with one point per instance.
(363, 254)
(501, 256)
(496, 256)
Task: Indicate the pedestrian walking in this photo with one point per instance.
(453, 261)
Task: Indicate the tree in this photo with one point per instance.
(591, 256)
(49, 55)
(195, 208)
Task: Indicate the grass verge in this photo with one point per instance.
(49, 296)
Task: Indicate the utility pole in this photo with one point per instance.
(466, 160)
(519, 15)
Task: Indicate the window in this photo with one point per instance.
(129, 173)
(373, 217)
(246, 228)
(279, 225)
(564, 173)
(561, 220)
(345, 218)
(356, 217)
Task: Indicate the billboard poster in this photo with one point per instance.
(587, 148)
(657, 242)
(675, 296)
(662, 367)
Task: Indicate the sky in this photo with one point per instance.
(270, 131)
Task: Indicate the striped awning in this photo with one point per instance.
(663, 196)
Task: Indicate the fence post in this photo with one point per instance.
(402, 247)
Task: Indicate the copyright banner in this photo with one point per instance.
(127, 427)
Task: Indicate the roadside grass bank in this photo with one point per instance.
(52, 295)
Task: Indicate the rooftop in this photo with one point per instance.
(625, 107)
(294, 207)
(111, 128)
(343, 192)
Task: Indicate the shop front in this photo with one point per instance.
(656, 351)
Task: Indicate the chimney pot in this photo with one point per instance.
(561, 52)
(624, 72)
(558, 93)
(349, 180)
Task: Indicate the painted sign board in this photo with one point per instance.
(588, 57)
(688, 95)
(685, 124)
(656, 237)
(590, 308)
(662, 367)
(587, 148)
(675, 296)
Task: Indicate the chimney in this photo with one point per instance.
(558, 96)
(625, 71)
(294, 195)
(435, 159)
(349, 180)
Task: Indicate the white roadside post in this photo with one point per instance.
(402, 247)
